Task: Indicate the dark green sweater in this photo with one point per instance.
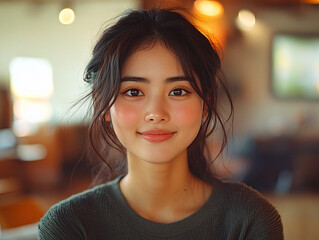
(233, 211)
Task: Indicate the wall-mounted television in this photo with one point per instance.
(295, 66)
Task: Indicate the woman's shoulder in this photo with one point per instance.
(90, 198)
(244, 201)
(85, 197)
(240, 206)
(246, 205)
(241, 193)
(71, 214)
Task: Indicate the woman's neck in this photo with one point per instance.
(163, 192)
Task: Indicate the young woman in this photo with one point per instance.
(156, 83)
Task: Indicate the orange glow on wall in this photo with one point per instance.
(311, 1)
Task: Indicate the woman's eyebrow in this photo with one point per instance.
(177, 79)
(145, 80)
(134, 79)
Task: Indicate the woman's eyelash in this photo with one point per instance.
(133, 92)
(179, 92)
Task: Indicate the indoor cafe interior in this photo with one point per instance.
(270, 56)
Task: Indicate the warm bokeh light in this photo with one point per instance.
(22, 128)
(66, 16)
(31, 78)
(31, 152)
(209, 8)
(32, 111)
(32, 87)
(246, 19)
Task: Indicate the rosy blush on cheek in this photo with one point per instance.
(124, 114)
(188, 114)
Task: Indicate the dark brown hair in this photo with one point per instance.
(198, 57)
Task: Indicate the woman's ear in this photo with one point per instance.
(107, 116)
(205, 113)
(204, 116)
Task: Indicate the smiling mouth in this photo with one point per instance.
(156, 136)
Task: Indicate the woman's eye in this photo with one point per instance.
(178, 92)
(133, 93)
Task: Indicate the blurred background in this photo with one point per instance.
(270, 51)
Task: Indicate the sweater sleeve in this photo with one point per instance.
(258, 218)
(266, 224)
(264, 221)
(60, 223)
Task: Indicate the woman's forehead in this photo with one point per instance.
(156, 60)
(162, 46)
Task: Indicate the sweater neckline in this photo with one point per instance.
(143, 225)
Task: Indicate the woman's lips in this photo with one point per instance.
(156, 136)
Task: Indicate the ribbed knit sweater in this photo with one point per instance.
(233, 211)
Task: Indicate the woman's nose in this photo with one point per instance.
(156, 111)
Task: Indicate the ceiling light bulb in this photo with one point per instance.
(209, 8)
(246, 19)
(66, 16)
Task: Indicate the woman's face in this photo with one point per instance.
(157, 114)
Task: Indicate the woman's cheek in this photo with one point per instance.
(124, 114)
(189, 114)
